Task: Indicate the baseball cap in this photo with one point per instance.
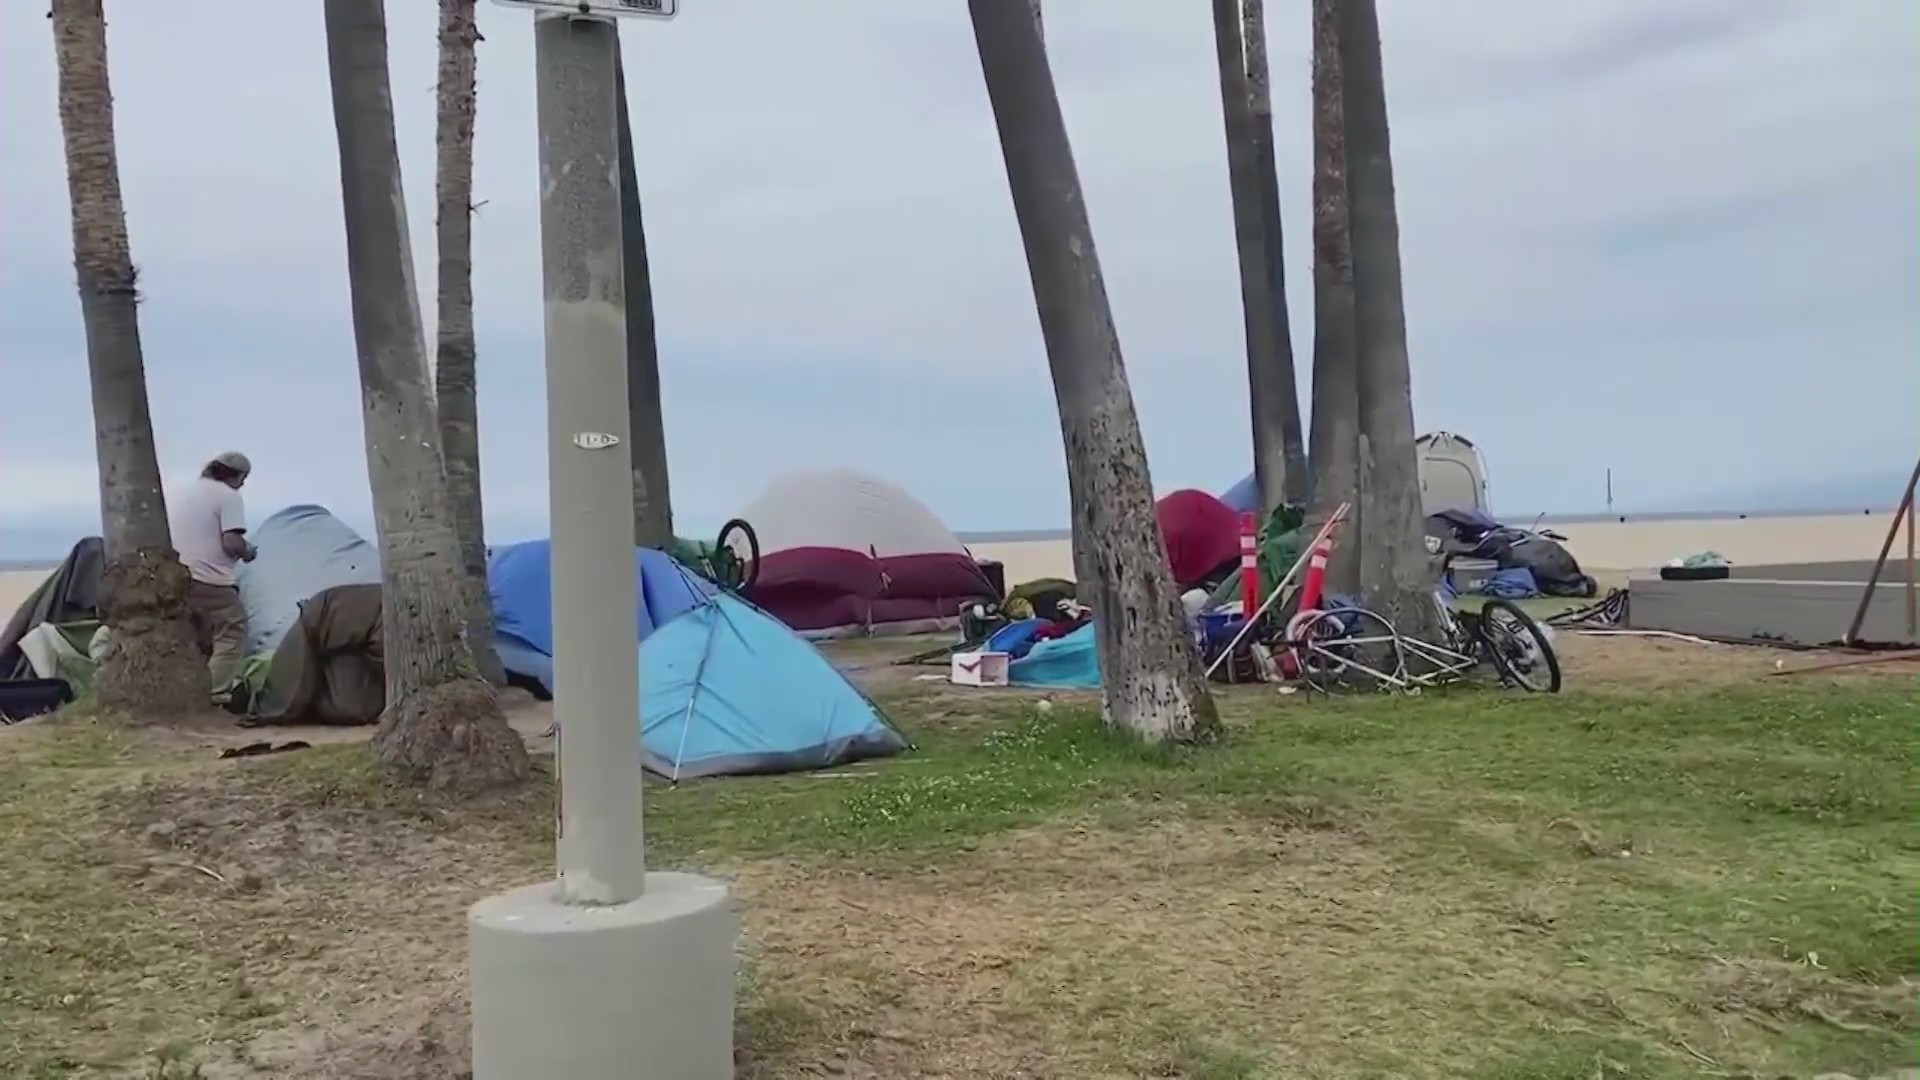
(235, 460)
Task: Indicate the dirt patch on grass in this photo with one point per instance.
(423, 1040)
(217, 904)
(1633, 663)
(1775, 990)
(1636, 663)
(1175, 948)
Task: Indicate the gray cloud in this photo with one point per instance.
(1637, 235)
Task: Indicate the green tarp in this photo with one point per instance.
(1281, 537)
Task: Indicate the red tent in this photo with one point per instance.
(1202, 535)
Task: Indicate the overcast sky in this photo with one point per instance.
(1677, 239)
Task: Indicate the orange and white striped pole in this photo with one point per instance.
(1249, 565)
(1315, 583)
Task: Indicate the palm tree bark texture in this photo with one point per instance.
(1335, 434)
(652, 492)
(455, 365)
(1151, 681)
(442, 725)
(1278, 406)
(153, 668)
(1256, 287)
(1396, 573)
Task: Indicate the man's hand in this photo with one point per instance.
(250, 554)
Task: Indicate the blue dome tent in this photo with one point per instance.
(1244, 496)
(725, 688)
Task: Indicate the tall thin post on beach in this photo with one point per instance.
(1903, 515)
(609, 969)
(1913, 608)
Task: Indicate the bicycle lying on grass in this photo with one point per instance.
(1333, 647)
(1342, 646)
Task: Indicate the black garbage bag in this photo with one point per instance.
(1554, 568)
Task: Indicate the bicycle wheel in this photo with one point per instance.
(1519, 649)
(1351, 648)
(741, 546)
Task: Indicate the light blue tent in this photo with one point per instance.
(303, 550)
(725, 688)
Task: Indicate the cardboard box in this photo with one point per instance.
(980, 669)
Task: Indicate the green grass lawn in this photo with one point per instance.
(1458, 885)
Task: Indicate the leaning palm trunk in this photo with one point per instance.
(442, 724)
(1256, 288)
(1276, 400)
(152, 667)
(1079, 540)
(1335, 435)
(1151, 684)
(652, 493)
(455, 381)
(1396, 575)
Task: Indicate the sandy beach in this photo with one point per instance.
(1608, 547)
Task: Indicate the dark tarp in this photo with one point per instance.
(330, 667)
(70, 594)
(1554, 568)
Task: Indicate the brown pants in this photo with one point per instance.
(220, 626)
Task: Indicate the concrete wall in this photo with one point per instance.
(1807, 604)
(1857, 570)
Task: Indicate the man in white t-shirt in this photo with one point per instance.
(209, 523)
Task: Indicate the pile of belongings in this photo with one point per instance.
(1531, 562)
(1049, 637)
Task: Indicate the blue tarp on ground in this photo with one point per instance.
(303, 549)
(1056, 663)
(725, 688)
(1514, 583)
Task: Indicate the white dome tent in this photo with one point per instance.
(843, 553)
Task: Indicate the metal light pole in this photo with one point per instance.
(611, 971)
(596, 630)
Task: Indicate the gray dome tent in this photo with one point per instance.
(1453, 474)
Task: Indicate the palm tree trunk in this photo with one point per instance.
(455, 377)
(1278, 406)
(1249, 224)
(1080, 542)
(153, 667)
(1395, 572)
(1335, 435)
(1151, 680)
(652, 496)
(442, 724)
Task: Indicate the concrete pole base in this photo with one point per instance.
(636, 991)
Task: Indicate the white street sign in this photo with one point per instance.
(652, 9)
